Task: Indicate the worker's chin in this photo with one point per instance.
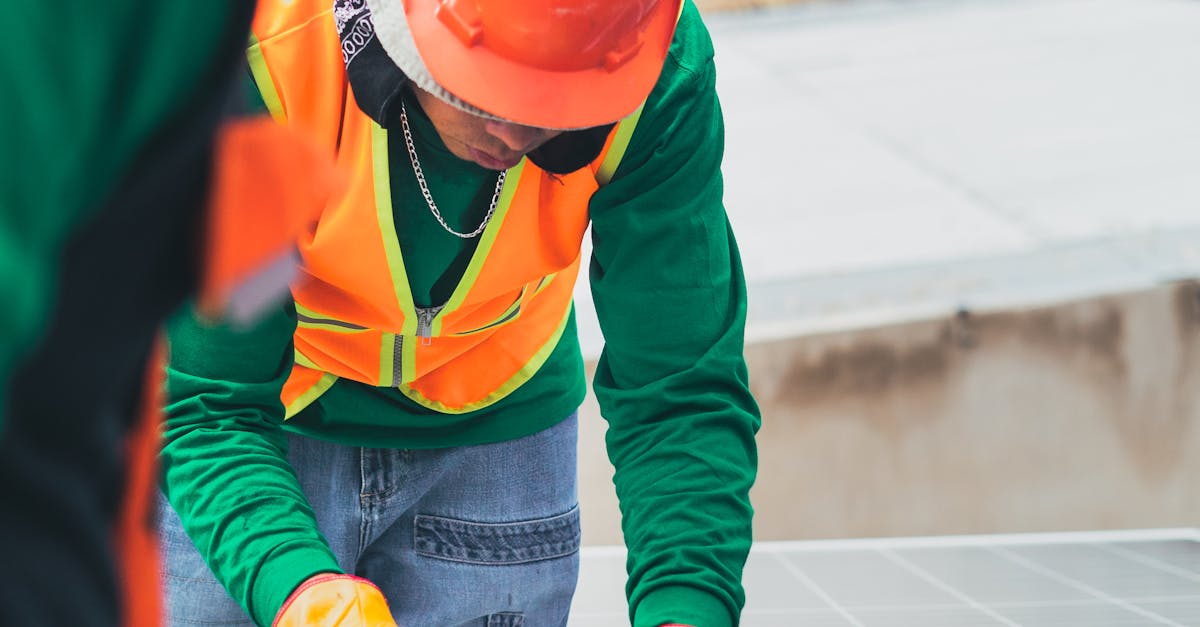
(493, 162)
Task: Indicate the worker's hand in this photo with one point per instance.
(333, 600)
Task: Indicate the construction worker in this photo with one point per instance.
(397, 445)
(126, 164)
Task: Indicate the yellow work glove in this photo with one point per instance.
(332, 600)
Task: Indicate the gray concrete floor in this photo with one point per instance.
(889, 160)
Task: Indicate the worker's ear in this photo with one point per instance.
(571, 150)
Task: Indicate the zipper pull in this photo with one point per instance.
(425, 318)
(425, 326)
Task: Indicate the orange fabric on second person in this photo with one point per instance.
(269, 183)
(136, 534)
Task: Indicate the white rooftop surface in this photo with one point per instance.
(1087, 579)
(887, 160)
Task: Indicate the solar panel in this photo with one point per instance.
(1086, 579)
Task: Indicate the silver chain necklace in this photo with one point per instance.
(416, 164)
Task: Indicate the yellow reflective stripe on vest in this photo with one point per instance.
(396, 358)
(303, 360)
(306, 317)
(542, 284)
(387, 226)
(307, 397)
(311, 394)
(387, 359)
(262, 78)
(620, 144)
(484, 248)
(404, 352)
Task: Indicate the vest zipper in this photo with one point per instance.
(398, 361)
(425, 316)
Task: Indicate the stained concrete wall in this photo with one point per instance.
(1082, 415)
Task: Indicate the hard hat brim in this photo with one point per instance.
(528, 95)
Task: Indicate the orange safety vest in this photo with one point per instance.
(356, 316)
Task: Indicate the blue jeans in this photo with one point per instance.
(484, 536)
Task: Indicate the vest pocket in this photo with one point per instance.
(511, 313)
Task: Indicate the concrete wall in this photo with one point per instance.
(1083, 415)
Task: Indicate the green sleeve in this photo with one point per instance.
(672, 381)
(225, 459)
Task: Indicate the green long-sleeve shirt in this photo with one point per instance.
(670, 296)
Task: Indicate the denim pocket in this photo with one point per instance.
(497, 543)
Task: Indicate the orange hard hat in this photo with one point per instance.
(548, 63)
